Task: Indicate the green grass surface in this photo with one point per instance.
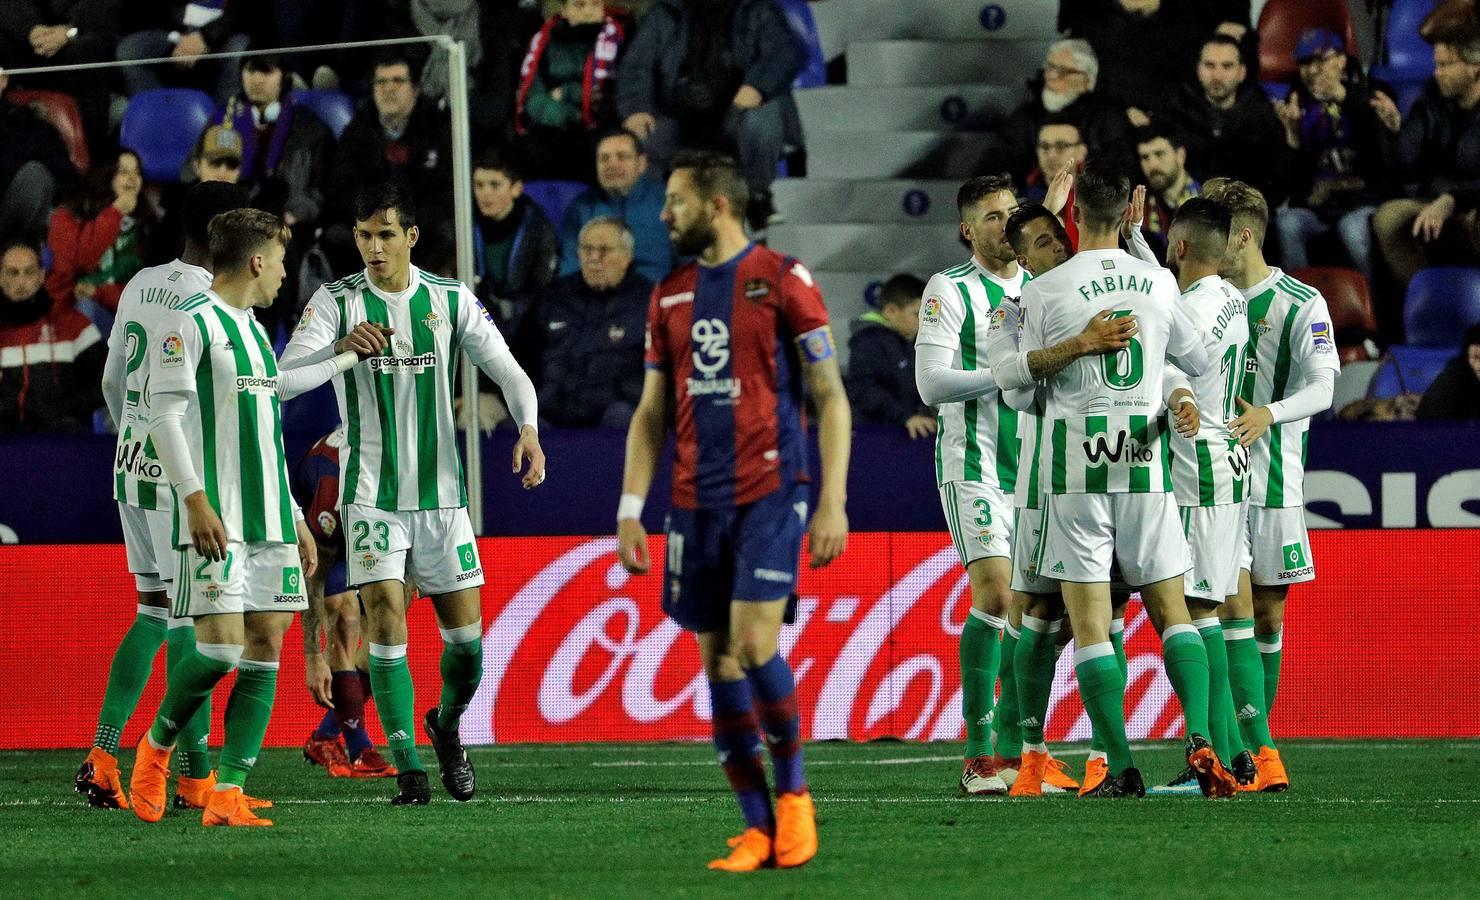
(1392, 819)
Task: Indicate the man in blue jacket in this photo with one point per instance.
(626, 191)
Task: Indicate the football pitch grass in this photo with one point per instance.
(1380, 819)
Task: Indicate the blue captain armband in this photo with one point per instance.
(817, 344)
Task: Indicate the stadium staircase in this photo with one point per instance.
(887, 150)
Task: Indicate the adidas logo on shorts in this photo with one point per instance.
(1202, 586)
(1058, 567)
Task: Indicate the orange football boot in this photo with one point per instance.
(796, 830)
(1030, 775)
(148, 784)
(195, 793)
(100, 782)
(1056, 774)
(1269, 771)
(1095, 770)
(749, 852)
(329, 754)
(370, 764)
(230, 808)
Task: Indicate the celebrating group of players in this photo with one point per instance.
(1150, 426)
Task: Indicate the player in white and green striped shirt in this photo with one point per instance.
(401, 484)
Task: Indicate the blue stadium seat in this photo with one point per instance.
(162, 126)
(1407, 92)
(1441, 303)
(1409, 57)
(814, 67)
(333, 108)
(1276, 90)
(554, 196)
(1408, 369)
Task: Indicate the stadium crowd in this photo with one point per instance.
(1359, 172)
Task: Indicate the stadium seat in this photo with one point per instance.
(162, 126)
(1407, 92)
(814, 67)
(1276, 90)
(1409, 57)
(1350, 301)
(554, 196)
(1441, 303)
(60, 112)
(333, 108)
(1409, 370)
(1281, 23)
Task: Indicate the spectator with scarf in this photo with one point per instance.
(285, 148)
(99, 239)
(516, 249)
(566, 89)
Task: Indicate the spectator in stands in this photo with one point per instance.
(588, 333)
(701, 69)
(1059, 147)
(1455, 394)
(1163, 163)
(218, 155)
(184, 31)
(625, 190)
(881, 361)
(516, 250)
(1341, 134)
(60, 33)
(1229, 124)
(1145, 47)
(34, 168)
(1439, 161)
(286, 149)
(567, 91)
(51, 356)
(401, 136)
(98, 240)
(1065, 88)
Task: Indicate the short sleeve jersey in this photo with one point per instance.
(1106, 431)
(954, 314)
(149, 298)
(315, 485)
(733, 338)
(400, 435)
(1290, 331)
(221, 358)
(1210, 469)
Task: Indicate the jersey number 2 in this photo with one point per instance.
(362, 536)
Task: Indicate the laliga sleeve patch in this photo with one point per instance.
(817, 344)
(999, 317)
(306, 318)
(1320, 338)
(172, 351)
(930, 311)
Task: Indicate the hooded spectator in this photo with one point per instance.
(567, 88)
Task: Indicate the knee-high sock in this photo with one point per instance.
(462, 669)
(1117, 641)
(1225, 737)
(1035, 662)
(328, 725)
(247, 712)
(1007, 729)
(349, 711)
(1246, 678)
(1270, 646)
(1187, 669)
(979, 655)
(1102, 687)
(737, 743)
(774, 691)
(190, 684)
(133, 662)
(395, 700)
(195, 735)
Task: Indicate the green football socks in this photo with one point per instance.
(132, 663)
(190, 684)
(395, 700)
(1006, 728)
(462, 669)
(1187, 669)
(1246, 679)
(1270, 646)
(247, 713)
(1035, 660)
(1102, 687)
(1117, 643)
(195, 757)
(1225, 737)
(979, 655)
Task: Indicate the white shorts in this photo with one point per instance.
(255, 577)
(979, 517)
(1276, 547)
(434, 548)
(1026, 529)
(1215, 535)
(148, 541)
(1085, 533)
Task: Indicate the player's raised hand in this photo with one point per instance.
(828, 534)
(1135, 212)
(207, 534)
(1107, 332)
(308, 550)
(1184, 412)
(365, 340)
(319, 680)
(1058, 189)
(529, 449)
(1251, 424)
(632, 548)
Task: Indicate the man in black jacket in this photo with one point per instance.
(1455, 394)
(34, 167)
(1230, 125)
(183, 31)
(881, 361)
(60, 33)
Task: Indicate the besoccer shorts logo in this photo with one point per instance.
(466, 557)
(930, 312)
(172, 350)
(292, 580)
(1294, 556)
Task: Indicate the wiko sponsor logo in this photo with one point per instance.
(1099, 451)
(130, 459)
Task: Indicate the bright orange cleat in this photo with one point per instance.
(329, 754)
(195, 793)
(749, 852)
(796, 830)
(370, 764)
(1056, 775)
(1030, 776)
(1269, 771)
(148, 784)
(1095, 770)
(100, 781)
(1212, 776)
(230, 807)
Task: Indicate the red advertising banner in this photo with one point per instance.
(577, 650)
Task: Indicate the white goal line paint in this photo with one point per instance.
(517, 799)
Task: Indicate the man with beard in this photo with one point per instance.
(1163, 158)
(732, 336)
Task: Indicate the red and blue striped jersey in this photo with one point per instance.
(315, 485)
(733, 338)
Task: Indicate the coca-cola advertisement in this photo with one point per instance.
(575, 649)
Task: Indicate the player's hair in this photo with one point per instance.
(629, 243)
(205, 201)
(980, 187)
(496, 160)
(1221, 40)
(1244, 203)
(714, 174)
(1101, 194)
(618, 131)
(384, 197)
(1018, 222)
(239, 234)
(1084, 57)
(1158, 130)
(1204, 224)
(901, 289)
